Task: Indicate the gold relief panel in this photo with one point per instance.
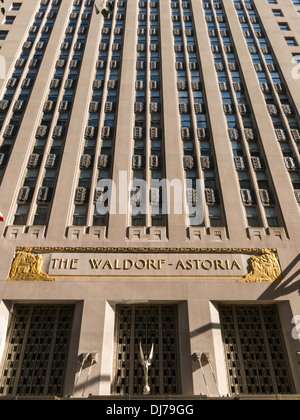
(262, 266)
(28, 267)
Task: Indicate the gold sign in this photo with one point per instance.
(143, 263)
(126, 264)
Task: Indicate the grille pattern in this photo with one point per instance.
(149, 324)
(254, 350)
(36, 350)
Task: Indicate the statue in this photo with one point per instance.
(146, 363)
(28, 267)
(264, 268)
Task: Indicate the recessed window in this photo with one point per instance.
(296, 58)
(16, 6)
(277, 13)
(291, 42)
(3, 34)
(9, 20)
(284, 26)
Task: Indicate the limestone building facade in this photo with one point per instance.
(150, 191)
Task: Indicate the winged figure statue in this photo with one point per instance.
(146, 363)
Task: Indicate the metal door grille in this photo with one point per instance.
(36, 350)
(254, 350)
(149, 324)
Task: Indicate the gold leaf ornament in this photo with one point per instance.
(264, 268)
(28, 267)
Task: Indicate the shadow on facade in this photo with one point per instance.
(208, 327)
(288, 285)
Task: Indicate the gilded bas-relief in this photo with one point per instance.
(28, 267)
(264, 268)
(229, 263)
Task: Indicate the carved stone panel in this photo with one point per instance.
(104, 161)
(188, 162)
(154, 162)
(85, 161)
(265, 196)
(23, 195)
(80, 195)
(247, 196)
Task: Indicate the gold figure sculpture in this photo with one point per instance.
(28, 267)
(264, 268)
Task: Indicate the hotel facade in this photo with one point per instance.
(150, 191)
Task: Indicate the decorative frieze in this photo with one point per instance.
(250, 133)
(247, 196)
(154, 132)
(206, 162)
(138, 132)
(154, 107)
(85, 161)
(199, 108)
(188, 162)
(23, 195)
(202, 133)
(290, 163)
(4, 104)
(265, 196)
(33, 160)
(104, 161)
(240, 163)
(80, 195)
(138, 161)
(51, 160)
(185, 133)
(58, 132)
(184, 108)
(106, 132)
(90, 132)
(154, 162)
(210, 196)
(257, 162)
(139, 107)
(43, 195)
(41, 131)
(48, 106)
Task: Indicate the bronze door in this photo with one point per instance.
(36, 350)
(146, 325)
(254, 350)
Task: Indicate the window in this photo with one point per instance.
(16, 6)
(40, 217)
(271, 217)
(284, 26)
(291, 42)
(252, 219)
(9, 20)
(79, 218)
(21, 215)
(3, 35)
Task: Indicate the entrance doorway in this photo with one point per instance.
(143, 328)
